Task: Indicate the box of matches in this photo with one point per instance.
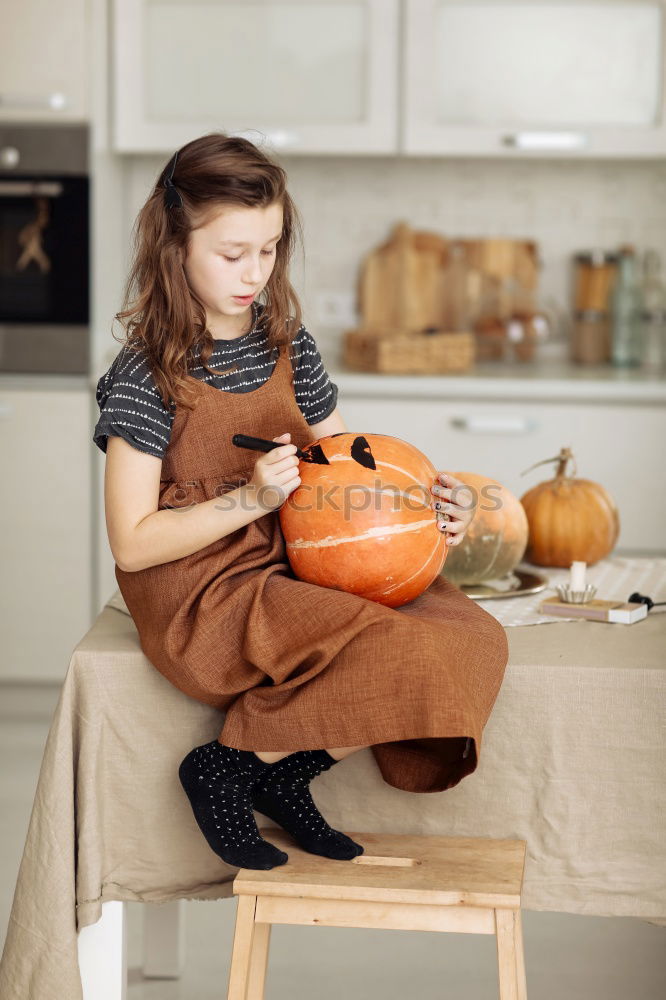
(626, 613)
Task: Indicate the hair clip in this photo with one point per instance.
(172, 197)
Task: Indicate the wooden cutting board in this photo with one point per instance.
(420, 280)
(401, 282)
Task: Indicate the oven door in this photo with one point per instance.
(44, 273)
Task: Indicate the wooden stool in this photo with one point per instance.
(470, 885)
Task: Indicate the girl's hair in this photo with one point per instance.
(164, 317)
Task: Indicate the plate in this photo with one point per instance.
(515, 584)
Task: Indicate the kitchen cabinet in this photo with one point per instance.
(311, 76)
(505, 78)
(43, 61)
(46, 541)
(614, 444)
(534, 78)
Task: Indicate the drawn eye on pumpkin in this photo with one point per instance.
(362, 453)
(315, 454)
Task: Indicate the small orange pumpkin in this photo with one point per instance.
(569, 519)
(496, 537)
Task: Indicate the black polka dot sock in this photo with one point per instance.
(282, 794)
(218, 781)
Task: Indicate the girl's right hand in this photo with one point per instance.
(276, 473)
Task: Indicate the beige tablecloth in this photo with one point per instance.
(573, 761)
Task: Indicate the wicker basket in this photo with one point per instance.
(402, 353)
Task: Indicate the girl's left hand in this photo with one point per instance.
(460, 506)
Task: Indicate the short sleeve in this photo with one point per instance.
(315, 394)
(131, 407)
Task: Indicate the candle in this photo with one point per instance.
(577, 578)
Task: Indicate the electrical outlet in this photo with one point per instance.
(336, 309)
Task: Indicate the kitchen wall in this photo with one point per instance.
(349, 205)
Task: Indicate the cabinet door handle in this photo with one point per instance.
(545, 140)
(494, 425)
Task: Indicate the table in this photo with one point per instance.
(573, 761)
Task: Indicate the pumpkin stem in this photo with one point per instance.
(562, 459)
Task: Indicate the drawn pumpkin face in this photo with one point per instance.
(361, 520)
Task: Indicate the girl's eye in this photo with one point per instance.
(268, 253)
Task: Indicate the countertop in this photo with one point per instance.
(542, 380)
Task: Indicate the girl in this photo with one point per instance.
(306, 674)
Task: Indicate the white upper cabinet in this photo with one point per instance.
(43, 61)
(534, 78)
(313, 76)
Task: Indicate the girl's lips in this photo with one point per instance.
(244, 298)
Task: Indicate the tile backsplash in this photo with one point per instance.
(348, 205)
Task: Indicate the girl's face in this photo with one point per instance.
(232, 255)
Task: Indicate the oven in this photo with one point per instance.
(44, 249)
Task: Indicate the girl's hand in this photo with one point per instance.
(276, 473)
(461, 506)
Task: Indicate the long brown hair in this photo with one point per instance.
(163, 317)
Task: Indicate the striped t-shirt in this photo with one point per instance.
(132, 408)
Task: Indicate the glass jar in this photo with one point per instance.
(590, 337)
(626, 313)
(654, 314)
(594, 276)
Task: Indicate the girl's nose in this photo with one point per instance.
(253, 272)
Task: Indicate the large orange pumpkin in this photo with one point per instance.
(361, 519)
(495, 539)
(569, 519)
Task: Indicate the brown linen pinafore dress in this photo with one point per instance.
(297, 666)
